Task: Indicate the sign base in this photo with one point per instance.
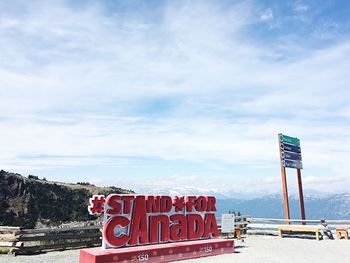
(159, 252)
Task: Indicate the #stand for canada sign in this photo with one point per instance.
(150, 228)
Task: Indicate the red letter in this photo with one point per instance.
(152, 204)
(189, 203)
(211, 204)
(178, 231)
(165, 204)
(127, 203)
(195, 226)
(108, 231)
(112, 202)
(138, 229)
(210, 226)
(161, 221)
(201, 204)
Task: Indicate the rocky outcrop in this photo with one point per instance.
(28, 201)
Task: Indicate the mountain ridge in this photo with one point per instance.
(30, 201)
(317, 204)
(336, 206)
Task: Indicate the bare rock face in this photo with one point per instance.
(12, 194)
(28, 201)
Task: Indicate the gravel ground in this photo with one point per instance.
(57, 257)
(252, 250)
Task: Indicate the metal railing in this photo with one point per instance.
(16, 240)
(269, 226)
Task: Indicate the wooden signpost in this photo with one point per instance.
(290, 157)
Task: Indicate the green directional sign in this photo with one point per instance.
(289, 140)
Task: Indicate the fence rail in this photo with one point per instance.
(24, 241)
(241, 226)
(15, 240)
(269, 226)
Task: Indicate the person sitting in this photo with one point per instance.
(324, 229)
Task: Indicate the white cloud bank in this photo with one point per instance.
(74, 83)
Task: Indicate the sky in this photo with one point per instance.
(176, 94)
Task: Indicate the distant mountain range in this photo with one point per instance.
(30, 201)
(317, 205)
(335, 206)
(188, 190)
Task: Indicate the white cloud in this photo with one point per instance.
(300, 7)
(267, 15)
(327, 31)
(327, 184)
(70, 80)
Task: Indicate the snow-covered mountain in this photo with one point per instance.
(336, 206)
(181, 191)
(317, 204)
(191, 190)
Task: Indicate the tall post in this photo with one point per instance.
(301, 196)
(285, 194)
(284, 187)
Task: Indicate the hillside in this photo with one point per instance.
(27, 202)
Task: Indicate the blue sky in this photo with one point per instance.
(166, 94)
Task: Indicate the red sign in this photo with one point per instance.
(131, 220)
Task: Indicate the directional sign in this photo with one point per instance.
(292, 164)
(291, 156)
(290, 140)
(290, 152)
(290, 148)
